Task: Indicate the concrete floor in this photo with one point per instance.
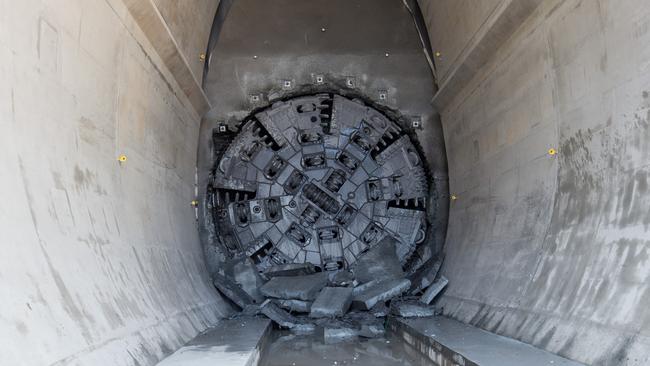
(474, 345)
(233, 342)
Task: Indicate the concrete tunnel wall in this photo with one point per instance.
(102, 263)
(549, 249)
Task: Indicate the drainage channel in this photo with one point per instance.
(285, 348)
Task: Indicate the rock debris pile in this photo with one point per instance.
(335, 303)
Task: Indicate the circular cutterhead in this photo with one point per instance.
(319, 179)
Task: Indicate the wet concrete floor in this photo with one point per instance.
(287, 349)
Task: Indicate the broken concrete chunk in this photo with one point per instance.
(380, 291)
(380, 310)
(416, 261)
(303, 328)
(283, 318)
(298, 287)
(379, 262)
(360, 288)
(411, 309)
(343, 278)
(298, 306)
(244, 273)
(358, 318)
(251, 310)
(371, 331)
(361, 320)
(247, 312)
(290, 269)
(231, 290)
(425, 276)
(331, 302)
(434, 290)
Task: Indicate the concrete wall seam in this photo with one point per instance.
(152, 23)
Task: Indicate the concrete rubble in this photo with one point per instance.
(343, 279)
(434, 290)
(297, 306)
(332, 302)
(295, 287)
(411, 309)
(363, 287)
(249, 310)
(379, 262)
(380, 291)
(245, 274)
(371, 330)
(363, 318)
(290, 269)
(380, 310)
(425, 276)
(283, 318)
(339, 303)
(231, 290)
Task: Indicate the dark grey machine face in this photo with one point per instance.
(318, 179)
